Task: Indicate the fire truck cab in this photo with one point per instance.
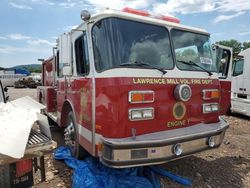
(134, 89)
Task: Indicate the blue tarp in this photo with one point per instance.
(90, 173)
(22, 71)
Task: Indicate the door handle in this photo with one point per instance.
(242, 89)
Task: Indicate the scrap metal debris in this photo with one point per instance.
(16, 120)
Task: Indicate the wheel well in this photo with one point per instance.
(40, 97)
(65, 111)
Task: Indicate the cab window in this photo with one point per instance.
(81, 54)
(238, 67)
(223, 57)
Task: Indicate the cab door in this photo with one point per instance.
(238, 86)
(224, 59)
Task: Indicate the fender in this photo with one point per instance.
(66, 108)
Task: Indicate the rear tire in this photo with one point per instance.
(71, 137)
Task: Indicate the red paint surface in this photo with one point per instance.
(47, 72)
(225, 101)
(50, 99)
(23, 167)
(112, 106)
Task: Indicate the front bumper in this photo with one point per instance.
(156, 148)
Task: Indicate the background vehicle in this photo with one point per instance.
(240, 100)
(124, 94)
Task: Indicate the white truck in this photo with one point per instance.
(234, 78)
(240, 97)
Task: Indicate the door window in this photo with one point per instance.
(81, 53)
(238, 67)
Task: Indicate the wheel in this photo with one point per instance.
(71, 138)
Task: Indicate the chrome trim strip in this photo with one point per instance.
(92, 72)
(121, 157)
(168, 136)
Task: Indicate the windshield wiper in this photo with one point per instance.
(142, 64)
(195, 64)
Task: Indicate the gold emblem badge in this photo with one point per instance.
(179, 110)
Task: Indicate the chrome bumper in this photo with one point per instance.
(156, 148)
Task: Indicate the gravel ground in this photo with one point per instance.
(228, 166)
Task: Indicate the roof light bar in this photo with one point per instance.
(146, 13)
(169, 18)
(134, 11)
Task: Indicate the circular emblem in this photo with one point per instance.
(179, 110)
(182, 92)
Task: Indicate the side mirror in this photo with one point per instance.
(6, 89)
(67, 71)
(223, 61)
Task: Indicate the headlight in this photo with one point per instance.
(210, 107)
(141, 114)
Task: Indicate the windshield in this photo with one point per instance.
(193, 47)
(119, 42)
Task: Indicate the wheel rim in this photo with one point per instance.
(69, 135)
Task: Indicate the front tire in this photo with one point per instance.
(71, 137)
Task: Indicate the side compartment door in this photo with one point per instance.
(60, 93)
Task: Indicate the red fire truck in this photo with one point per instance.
(134, 89)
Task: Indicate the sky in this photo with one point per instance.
(29, 28)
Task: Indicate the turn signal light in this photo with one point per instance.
(211, 94)
(141, 96)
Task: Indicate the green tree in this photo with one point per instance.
(236, 45)
(246, 45)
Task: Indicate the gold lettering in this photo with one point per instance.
(176, 123)
(196, 81)
(172, 81)
(207, 81)
(184, 81)
(135, 81)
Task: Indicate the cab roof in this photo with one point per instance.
(146, 19)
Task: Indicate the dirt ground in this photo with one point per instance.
(228, 166)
